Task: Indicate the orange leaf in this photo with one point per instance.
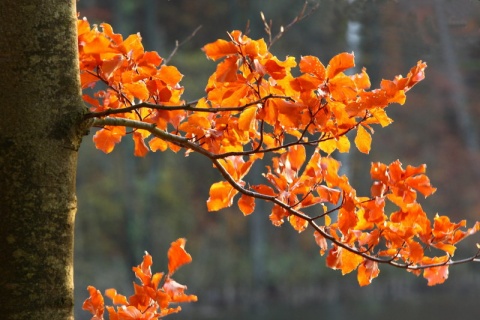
(137, 89)
(298, 223)
(321, 242)
(108, 30)
(151, 57)
(350, 261)
(176, 291)
(422, 184)
(157, 144)
(140, 147)
(416, 74)
(363, 140)
(296, 156)
(88, 80)
(367, 271)
(177, 256)
(246, 119)
(416, 252)
(334, 260)
(312, 65)
(110, 66)
(132, 46)
(221, 196)
(263, 189)
(246, 204)
(219, 49)
(277, 215)
(435, 275)
(132, 313)
(94, 304)
(381, 116)
(227, 70)
(170, 75)
(340, 63)
(143, 271)
(116, 298)
(328, 146)
(362, 80)
(106, 138)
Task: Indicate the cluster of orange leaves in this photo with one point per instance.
(255, 104)
(152, 297)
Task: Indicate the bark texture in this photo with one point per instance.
(40, 132)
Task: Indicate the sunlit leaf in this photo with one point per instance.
(435, 275)
(94, 304)
(245, 121)
(116, 298)
(312, 65)
(367, 271)
(177, 256)
(106, 138)
(340, 63)
(363, 140)
(299, 224)
(140, 147)
(321, 242)
(156, 144)
(246, 204)
(221, 196)
(219, 49)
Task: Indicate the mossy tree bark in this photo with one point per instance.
(40, 132)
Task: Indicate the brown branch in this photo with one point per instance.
(189, 106)
(187, 144)
(303, 14)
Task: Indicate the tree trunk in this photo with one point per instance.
(40, 132)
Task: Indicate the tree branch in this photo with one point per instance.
(189, 106)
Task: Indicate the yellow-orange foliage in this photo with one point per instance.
(256, 103)
(152, 298)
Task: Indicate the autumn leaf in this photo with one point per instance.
(312, 65)
(350, 261)
(94, 304)
(221, 196)
(367, 271)
(141, 148)
(321, 242)
(435, 275)
(328, 146)
(177, 256)
(298, 223)
(106, 138)
(246, 119)
(176, 291)
(143, 271)
(340, 63)
(116, 298)
(246, 204)
(156, 144)
(170, 75)
(258, 106)
(137, 89)
(363, 140)
(219, 49)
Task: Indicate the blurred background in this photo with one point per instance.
(243, 267)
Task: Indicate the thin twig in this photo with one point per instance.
(303, 14)
(178, 45)
(189, 106)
